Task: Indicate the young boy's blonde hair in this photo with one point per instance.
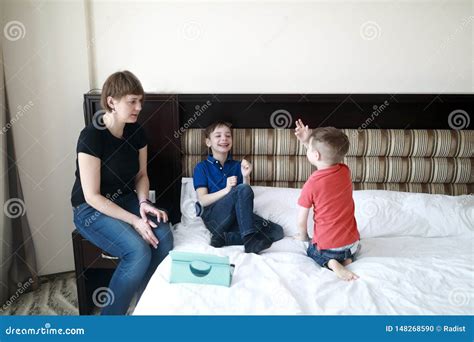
(118, 85)
(331, 143)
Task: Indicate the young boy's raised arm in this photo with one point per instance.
(302, 224)
(302, 132)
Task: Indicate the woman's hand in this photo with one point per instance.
(302, 132)
(245, 168)
(231, 182)
(145, 231)
(147, 208)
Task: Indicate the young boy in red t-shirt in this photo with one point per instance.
(329, 192)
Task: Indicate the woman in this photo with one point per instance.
(110, 193)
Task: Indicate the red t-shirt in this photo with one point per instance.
(329, 192)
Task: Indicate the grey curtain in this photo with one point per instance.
(17, 253)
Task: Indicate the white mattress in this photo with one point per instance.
(423, 267)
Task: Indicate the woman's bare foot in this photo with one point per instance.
(341, 271)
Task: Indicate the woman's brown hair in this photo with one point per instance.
(118, 85)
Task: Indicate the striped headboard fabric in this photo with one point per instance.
(427, 161)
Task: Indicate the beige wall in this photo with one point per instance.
(418, 46)
(46, 75)
(70, 46)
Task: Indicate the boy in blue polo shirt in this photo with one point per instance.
(223, 188)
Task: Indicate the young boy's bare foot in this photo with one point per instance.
(347, 262)
(341, 271)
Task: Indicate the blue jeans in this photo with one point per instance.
(232, 218)
(323, 256)
(138, 260)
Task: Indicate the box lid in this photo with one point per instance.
(190, 257)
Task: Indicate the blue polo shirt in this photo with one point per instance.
(212, 175)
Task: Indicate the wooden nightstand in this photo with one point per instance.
(94, 268)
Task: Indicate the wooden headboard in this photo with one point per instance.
(406, 142)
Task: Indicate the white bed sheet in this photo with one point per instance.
(398, 275)
(407, 275)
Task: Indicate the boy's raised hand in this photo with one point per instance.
(246, 168)
(302, 132)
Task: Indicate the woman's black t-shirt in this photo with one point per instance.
(119, 160)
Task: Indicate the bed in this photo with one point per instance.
(414, 212)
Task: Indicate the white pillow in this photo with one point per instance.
(392, 213)
(378, 212)
(188, 200)
(280, 205)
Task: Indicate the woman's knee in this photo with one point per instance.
(164, 234)
(137, 254)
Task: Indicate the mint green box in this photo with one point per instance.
(200, 269)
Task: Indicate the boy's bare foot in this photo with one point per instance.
(347, 262)
(341, 271)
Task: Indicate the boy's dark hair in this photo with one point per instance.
(209, 129)
(335, 141)
(118, 85)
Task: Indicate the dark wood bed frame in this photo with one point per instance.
(165, 118)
